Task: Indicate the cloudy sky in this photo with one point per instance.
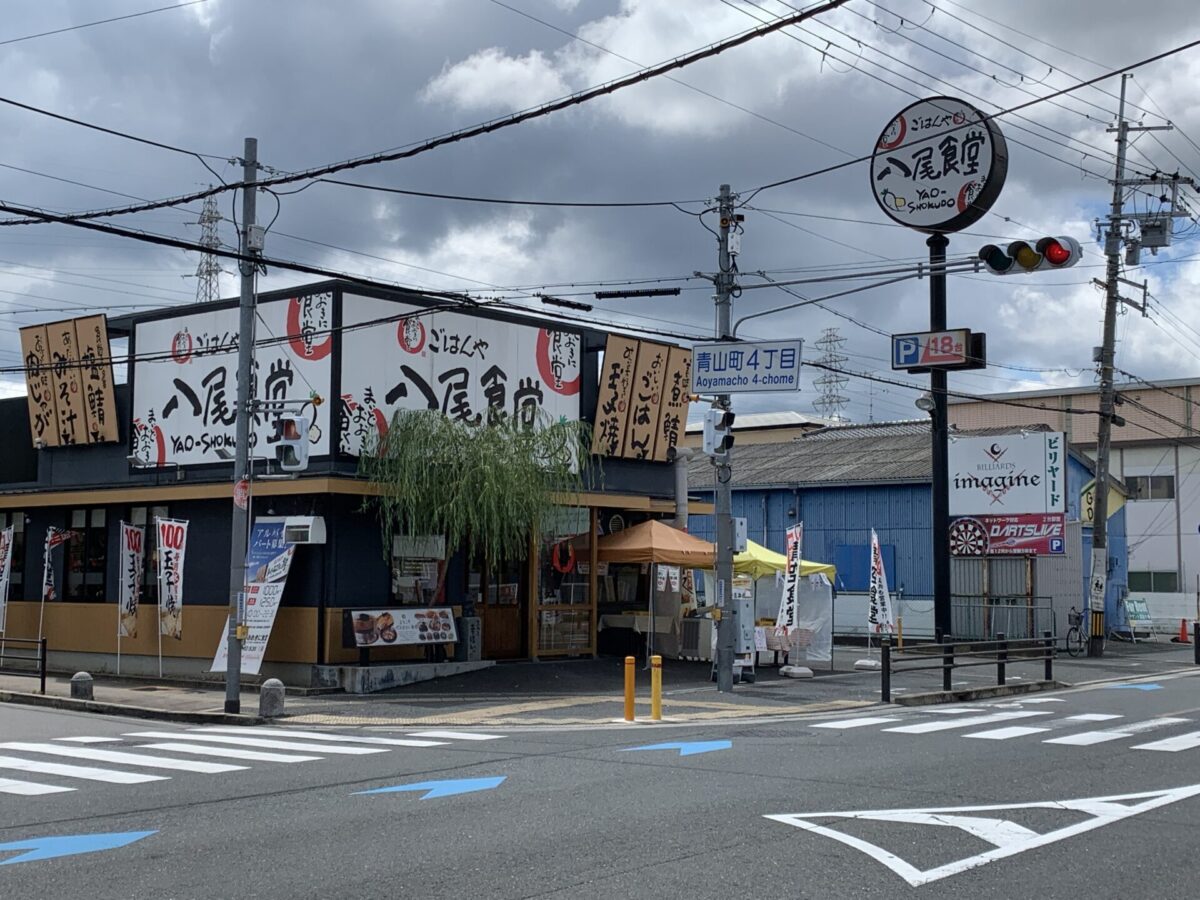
(317, 81)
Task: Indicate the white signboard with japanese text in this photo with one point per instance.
(728, 367)
(939, 165)
(185, 378)
(268, 561)
(1008, 474)
(398, 356)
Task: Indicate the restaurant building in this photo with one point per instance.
(83, 455)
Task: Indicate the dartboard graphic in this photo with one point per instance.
(968, 538)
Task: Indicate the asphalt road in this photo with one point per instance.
(576, 816)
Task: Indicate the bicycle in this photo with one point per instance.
(1076, 638)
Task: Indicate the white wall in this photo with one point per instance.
(1164, 535)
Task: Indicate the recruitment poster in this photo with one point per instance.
(268, 561)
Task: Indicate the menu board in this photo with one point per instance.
(616, 386)
(43, 419)
(392, 627)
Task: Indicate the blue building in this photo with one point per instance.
(844, 480)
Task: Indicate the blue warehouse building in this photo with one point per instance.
(843, 480)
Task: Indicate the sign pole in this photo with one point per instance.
(942, 619)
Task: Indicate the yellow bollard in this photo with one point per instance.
(900, 633)
(656, 688)
(630, 674)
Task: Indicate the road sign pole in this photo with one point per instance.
(941, 463)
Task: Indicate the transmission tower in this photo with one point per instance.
(208, 272)
(831, 383)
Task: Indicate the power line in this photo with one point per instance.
(581, 204)
(678, 81)
(834, 167)
(147, 12)
(488, 127)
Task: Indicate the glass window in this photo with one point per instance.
(1151, 487)
(145, 516)
(1154, 582)
(16, 575)
(87, 555)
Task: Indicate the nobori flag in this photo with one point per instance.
(879, 613)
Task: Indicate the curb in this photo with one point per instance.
(980, 693)
(135, 712)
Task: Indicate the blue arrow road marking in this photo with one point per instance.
(70, 845)
(1133, 687)
(685, 748)
(443, 788)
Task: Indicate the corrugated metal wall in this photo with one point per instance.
(899, 513)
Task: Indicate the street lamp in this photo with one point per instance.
(925, 403)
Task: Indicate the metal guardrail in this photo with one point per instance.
(996, 653)
(29, 650)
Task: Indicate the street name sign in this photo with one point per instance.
(731, 367)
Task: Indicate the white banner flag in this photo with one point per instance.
(6, 543)
(132, 564)
(172, 547)
(785, 621)
(879, 614)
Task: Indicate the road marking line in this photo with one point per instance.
(321, 736)
(1173, 744)
(129, 759)
(230, 752)
(253, 742)
(86, 772)
(458, 735)
(859, 723)
(29, 788)
(1087, 738)
(971, 721)
(1044, 700)
(1003, 734)
(1093, 717)
(90, 740)
(953, 710)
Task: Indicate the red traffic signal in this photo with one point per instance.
(1022, 257)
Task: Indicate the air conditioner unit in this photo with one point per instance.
(304, 529)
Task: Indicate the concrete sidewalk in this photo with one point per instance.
(590, 692)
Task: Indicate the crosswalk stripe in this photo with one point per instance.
(88, 773)
(29, 788)
(323, 736)
(458, 735)
(1173, 744)
(90, 740)
(858, 723)
(1094, 717)
(1087, 738)
(229, 752)
(969, 722)
(268, 743)
(129, 759)
(952, 710)
(1003, 734)
(1044, 700)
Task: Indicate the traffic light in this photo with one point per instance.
(718, 427)
(291, 443)
(1022, 257)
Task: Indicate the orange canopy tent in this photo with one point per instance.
(656, 542)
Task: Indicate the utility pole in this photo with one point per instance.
(727, 625)
(250, 241)
(1113, 239)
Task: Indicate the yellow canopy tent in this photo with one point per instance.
(759, 562)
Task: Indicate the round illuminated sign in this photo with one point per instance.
(939, 165)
